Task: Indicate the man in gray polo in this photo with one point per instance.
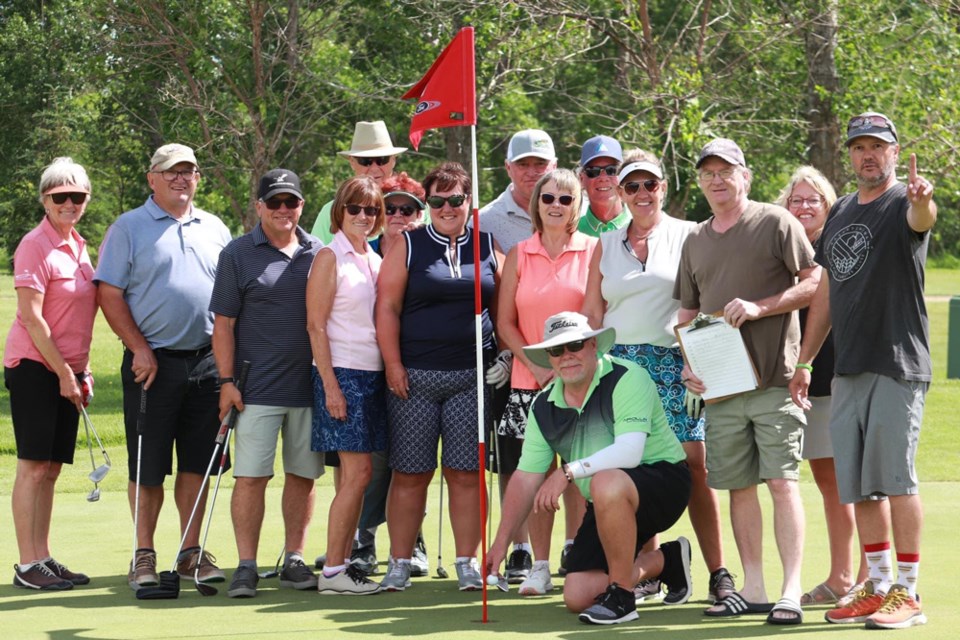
(155, 274)
(260, 315)
(530, 155)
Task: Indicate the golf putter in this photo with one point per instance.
(94, 494)
(223, 438)
(441, 571)
(141, 420)
(266, 575)
(99, 473)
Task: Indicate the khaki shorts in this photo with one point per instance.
(875, 427)
(255, 442)
(753, 437)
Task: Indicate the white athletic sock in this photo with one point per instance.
(523, 546)
(908, 569)
(880, 564)
(465, 558)
(329, 572)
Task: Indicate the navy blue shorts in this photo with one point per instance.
(365, 429)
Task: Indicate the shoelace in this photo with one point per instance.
(396, 570)
(55, 566)
(145, 561)
(358, 577)
(893, 601)
(45, 570)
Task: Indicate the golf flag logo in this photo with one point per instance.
(447, 94)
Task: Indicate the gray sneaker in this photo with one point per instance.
(397, 578)
(244, 583)
(419, 565)
(350, 581)
(648, 591)
(297, 574)
(468, 577)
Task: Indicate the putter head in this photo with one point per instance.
(502, 584)
(98, 474)
(441, 572)
(94, 494)
(267, 575)
(168, 589)
(203, 588)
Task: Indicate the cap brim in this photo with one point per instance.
(278, 191)
(880, 134)
(726, 158)
(416, 200)
(373, 153)
(649, 167)
(533, 154)
(66, 188)
(538, 352)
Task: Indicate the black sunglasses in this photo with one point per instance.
(355, 209)
(436, 202)
(593, 172)
(548, 198)
(572, 347)
(274, 203)
(366, 162)
(405, 210)
(75, 198)
(650, 186)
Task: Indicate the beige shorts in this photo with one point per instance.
(753, 437)
(255, 442)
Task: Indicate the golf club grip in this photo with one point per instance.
(241, 386)
(142, 414)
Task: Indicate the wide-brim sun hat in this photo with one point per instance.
(566, 327)
(371, 140)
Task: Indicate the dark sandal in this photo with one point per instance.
(735, 605)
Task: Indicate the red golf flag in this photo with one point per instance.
(447, 92)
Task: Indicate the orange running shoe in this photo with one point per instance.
(863, 605)
(898, 611)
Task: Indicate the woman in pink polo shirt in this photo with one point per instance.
(349, 412)
(543, 275)
(45, 364)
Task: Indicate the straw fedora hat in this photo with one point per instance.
(372, 140)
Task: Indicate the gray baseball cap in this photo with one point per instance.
(531, 142)
(874, 125)
(723, 148)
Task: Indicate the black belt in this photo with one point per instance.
(184, 353)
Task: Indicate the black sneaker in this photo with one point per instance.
(518, 566)
(720, 581)
(244, 583)
(40, 577)
(613, 606)
(62, 572)
(676, 571)
(365, 559)
(563, 559)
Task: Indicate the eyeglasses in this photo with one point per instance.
(436, 202)
(355, 209)
(170, 175)
(405, 210)
(572, 347)
(650, 186)
(708, 176)
(866, 121)
(75, 198)
(548, 198)
(274, 203)
(366, 162)
(813, 202)
(593, 172)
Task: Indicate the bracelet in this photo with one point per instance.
(805, 365)
(223, 381)
(566, 473)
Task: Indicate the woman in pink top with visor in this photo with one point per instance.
(46, 362)
(542, 276)
(349, 411)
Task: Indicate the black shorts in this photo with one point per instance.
(664, 489)
(183, 406)
(44, 422)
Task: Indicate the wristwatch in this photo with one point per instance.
(223, 381)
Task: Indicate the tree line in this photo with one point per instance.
(256, 84)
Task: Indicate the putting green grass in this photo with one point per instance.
(96, 538)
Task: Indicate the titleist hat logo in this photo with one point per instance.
(560, 324)
(565, 327)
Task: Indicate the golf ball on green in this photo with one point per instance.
(492, 580)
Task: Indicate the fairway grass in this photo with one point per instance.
(96, 538)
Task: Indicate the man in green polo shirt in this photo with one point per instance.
(604, 416)
(600, 158)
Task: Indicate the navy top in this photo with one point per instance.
(266, 291)
(437, 322)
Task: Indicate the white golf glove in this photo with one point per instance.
(499, 372)
(694, 404)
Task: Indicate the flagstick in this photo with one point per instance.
(478, 311)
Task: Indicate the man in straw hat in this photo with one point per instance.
(604, 416)
(370, 154)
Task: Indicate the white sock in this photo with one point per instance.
(908, 569)
(469, 559)
(523, 546)
(880, 564)
(329, 572)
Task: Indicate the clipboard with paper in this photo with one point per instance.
(715, 351)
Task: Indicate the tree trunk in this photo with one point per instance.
(823, 131)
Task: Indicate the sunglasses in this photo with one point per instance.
(650, 186)
(548, 198)
(366, 162)
(75, 198)
(572, 347)
(866, 121)
(405, 210)
(593, 172)
(355, 210)
(274, 203)
(436, 202)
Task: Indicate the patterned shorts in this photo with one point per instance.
(365, 428)
(514, 421)
(440, 404)
(665, 364)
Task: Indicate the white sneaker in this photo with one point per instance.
(538, 582)
(350, 581)
(468, 577)
(419, 565)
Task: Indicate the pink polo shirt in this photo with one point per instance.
(350, 328)
(45, 262)
(547, 287)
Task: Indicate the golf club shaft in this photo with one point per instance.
(440, 528)
(141, 423)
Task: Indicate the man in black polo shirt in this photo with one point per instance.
(260, 315)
